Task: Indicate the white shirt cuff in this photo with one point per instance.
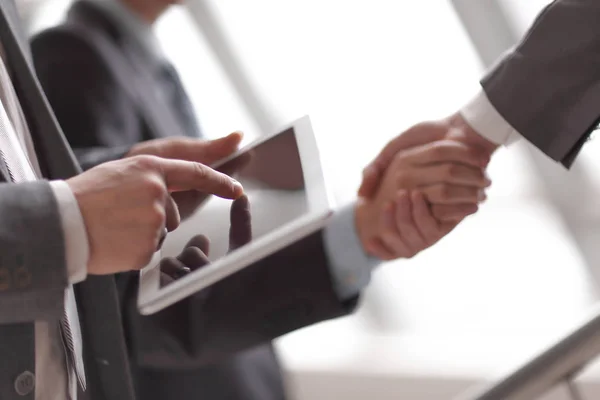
(77, 249)
(349, 265)
(483, 117)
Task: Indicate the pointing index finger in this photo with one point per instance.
(186, 175)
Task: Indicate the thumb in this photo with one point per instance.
(423, 133)
(371, 178)
(226, 145)
(210, 151)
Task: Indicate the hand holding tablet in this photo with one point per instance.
(283, 180)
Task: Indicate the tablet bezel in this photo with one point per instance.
(152, 298)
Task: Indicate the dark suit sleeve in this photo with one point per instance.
(33, 276)
(93, 111)
(284, 292)
(548, 87)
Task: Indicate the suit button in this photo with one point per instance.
(25, 383)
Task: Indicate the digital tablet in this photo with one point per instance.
(288, 199)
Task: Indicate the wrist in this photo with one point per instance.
(76, 238)
(459, 129)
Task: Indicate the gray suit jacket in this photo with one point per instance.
(548, 87)
(205, 328)
(32, 272)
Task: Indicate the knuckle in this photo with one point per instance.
(157, 216)
(200, 170)
(438, 150)
(144, 162)
(179, 145)
(155, 187)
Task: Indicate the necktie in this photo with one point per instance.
(21, 169)
(178, 99)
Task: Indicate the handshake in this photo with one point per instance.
(421, 186)
(418, 189)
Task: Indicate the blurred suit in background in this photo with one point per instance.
(111, 87)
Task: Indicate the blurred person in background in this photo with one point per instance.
(116, 95)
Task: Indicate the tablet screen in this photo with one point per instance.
(271, 173)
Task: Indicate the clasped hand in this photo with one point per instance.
(420, 187)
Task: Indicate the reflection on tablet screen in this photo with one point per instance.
(271, 174)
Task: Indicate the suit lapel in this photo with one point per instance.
(97, 298)
(55, 156)
(10, 8)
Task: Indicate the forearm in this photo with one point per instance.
(33, 274)
(284, 292)
(548, 87)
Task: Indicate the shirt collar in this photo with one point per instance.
(134, 27)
